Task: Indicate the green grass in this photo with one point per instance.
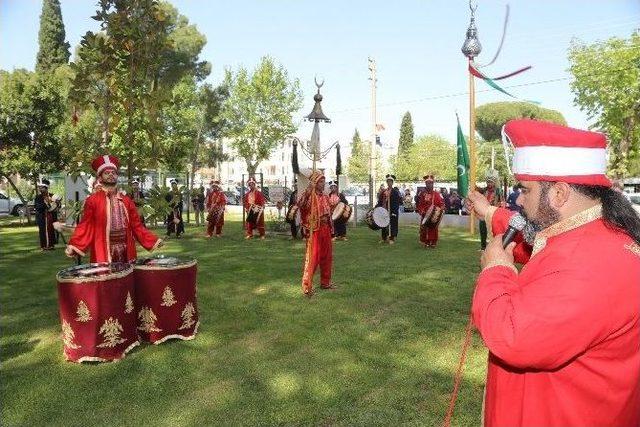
(381, 350)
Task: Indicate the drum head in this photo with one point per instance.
(381, 217)
(337, 211)
(93, 270)
(163, 261)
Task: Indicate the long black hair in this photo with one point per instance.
(617, 211)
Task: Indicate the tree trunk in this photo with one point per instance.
(25, 203)
(251, 168)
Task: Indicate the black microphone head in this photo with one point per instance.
(517, 222)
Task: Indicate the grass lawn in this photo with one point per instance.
(381, 350)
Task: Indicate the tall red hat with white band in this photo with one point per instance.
(546, 151)
(103, 162)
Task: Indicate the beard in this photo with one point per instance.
(545, 217)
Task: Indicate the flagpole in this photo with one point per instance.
(472, 145)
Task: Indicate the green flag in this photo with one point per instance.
(463, 163)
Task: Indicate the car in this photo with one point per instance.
(232, 198)
(10, 205)
(634, 198)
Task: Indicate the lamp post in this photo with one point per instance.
(471, 48)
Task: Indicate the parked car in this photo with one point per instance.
(11, 206)
(352, 192)
(634, 198)
(232, 198)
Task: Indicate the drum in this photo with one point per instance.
(432, 217)
(165, 298)
(292, 213)
(348, 210)
(253, 214)
(97, 311)
(377, 218)
(338, 212)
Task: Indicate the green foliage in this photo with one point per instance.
(53, 49)
(156, 207)
(259, 110)
(124, 83)
(606, 86)
(491, 117)
(484, 160)
(430, 154)
(32, 108)
(406, 134)
(358, 163)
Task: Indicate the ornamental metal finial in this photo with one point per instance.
(472, 47)
(316, 114)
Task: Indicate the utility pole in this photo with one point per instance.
(372, 144)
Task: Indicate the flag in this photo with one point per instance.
(463, 163)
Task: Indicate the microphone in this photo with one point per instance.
(516, 223)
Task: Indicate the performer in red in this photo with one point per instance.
(564, 332)
(335, 197)
(45, 207)
(315, 210)
(254, 202)
(110, 223)
(426, 203)
(215, 203)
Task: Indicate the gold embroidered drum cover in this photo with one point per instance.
(97, 311)
(165, 298)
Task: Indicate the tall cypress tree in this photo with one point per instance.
(406, 135)
(54, 50)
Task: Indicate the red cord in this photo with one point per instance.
(458, 377)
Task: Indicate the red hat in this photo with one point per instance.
(316, 176)
(546, 151)
(103, 162)
(430, 178)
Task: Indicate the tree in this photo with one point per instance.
(124, 80)
(606, 86)
(53, 49)
(430, 154)
(358, 163)
(259, 110)
(491, 117)
(406, 134)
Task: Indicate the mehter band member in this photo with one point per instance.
(110, 224)
(215, 204)
(175, 224)
(564, 332)
(45, 207)
(254, 202)
(390, 199)
(430, 207)
(335, 198)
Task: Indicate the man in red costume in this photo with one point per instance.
(335, 197)
(315, 210)
(110, 223)
(427, 204)
(215, 203)
(254, 202)
(564, 332)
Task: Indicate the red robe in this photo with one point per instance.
(215, 202)
(254, 197)
(429, 233)
(315, 211)
(564, 333)
(94, 228)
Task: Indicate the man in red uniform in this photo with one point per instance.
(110, 223)
(215, 203)
(316, 227)
(254, 202)
(427, 202)
(335, 197)
(564, 332)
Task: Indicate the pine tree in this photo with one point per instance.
(54, 50)
(406, 135)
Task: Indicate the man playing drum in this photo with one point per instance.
(254, 202)
(292, 213)
(110, 223)
(316, 227)
(338, 203)
(430, 207)
(215, 203)
(390, 199)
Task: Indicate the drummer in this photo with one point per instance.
(335, 197)
(293, 199)
(426, 201)
(254, 199)
(390, 199)
(215, 204)
(110, 224)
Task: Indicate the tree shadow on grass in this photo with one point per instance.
(15, 348)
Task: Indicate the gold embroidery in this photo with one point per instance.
(167, 297)
(68, 335)
(128, 304)
(111, 330)
(501, 263)
(187, 316)
(83, 312)
(571, 223)
(148, 319)
(634, 248)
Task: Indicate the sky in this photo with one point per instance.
(415, 43)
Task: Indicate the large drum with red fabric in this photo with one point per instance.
(166, 305)
(97, 311)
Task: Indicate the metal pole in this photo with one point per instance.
(472, 144)
(372, 144)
